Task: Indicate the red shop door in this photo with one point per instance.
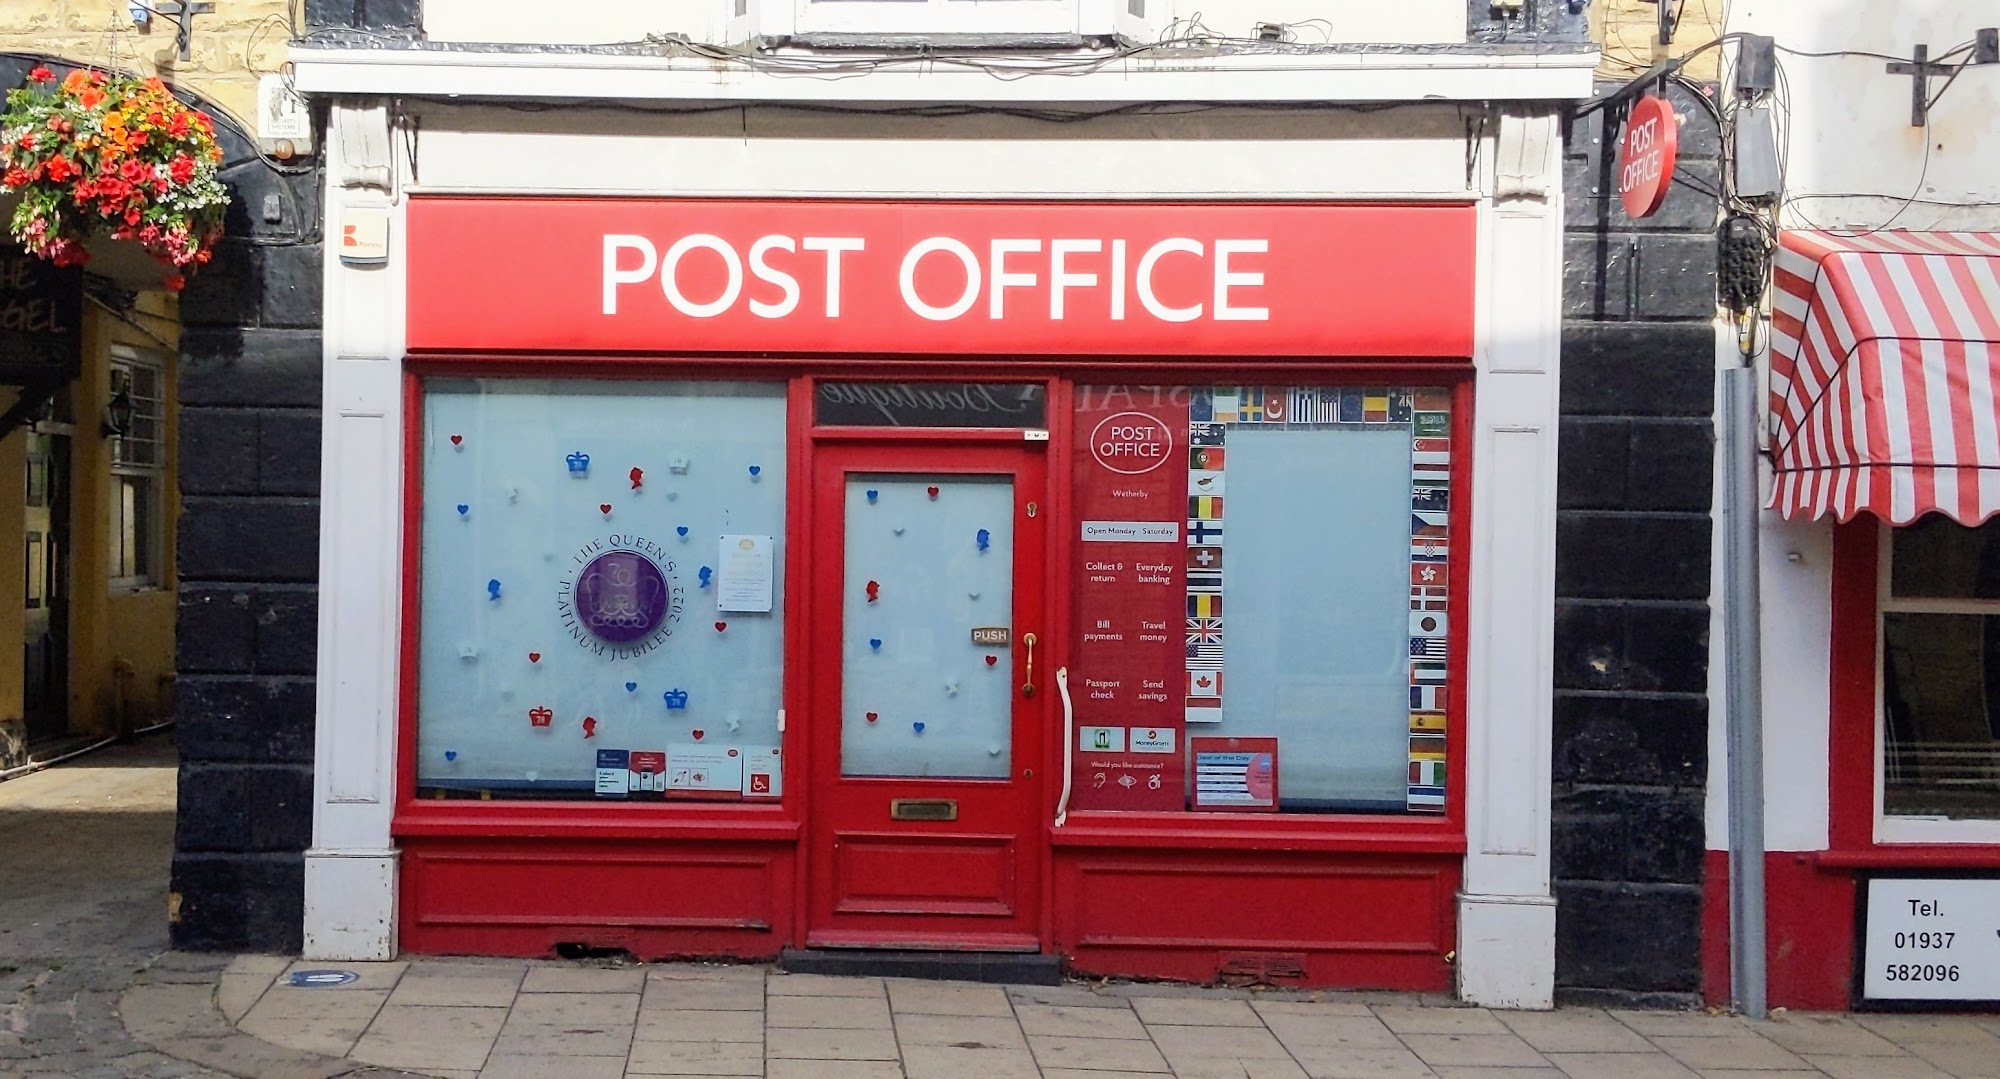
(930, 675)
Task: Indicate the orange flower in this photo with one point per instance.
(154, 84)
(90, 97)
(75, 80)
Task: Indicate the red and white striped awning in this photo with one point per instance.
(1885, 375)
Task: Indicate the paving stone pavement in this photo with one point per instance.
(513, 1019)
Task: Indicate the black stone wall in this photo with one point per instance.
(245, 637)
(1632, 574)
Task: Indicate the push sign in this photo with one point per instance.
(1646, 156)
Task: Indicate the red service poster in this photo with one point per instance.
(1128, 684)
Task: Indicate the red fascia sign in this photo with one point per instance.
(1646, 153)
(631, 275)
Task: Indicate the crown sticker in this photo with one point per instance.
(676, 699)
(540, 716)
(579, 463)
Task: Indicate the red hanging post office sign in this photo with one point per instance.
(1646, 153)
(1203, 279)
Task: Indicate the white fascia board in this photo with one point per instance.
(1296, 77)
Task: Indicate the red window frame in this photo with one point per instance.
(1438, 834)
(1853, 729)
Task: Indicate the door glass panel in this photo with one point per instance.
(929, 559)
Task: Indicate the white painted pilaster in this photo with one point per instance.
(1506, 912)
(350, 902)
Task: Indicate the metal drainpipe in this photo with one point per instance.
(1743, 671)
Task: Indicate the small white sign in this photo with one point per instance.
(1932, 939)
(695, 767)
(1100, 739)
(743, 574)
(1131, 532)
(1152, 739)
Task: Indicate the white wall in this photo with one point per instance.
(612, 21)
(1850, 119)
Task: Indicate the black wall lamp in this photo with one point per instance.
(118, 414)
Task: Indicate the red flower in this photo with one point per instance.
(28, 141)
(41, 73)
(181, 168)
(174, 282)
(15, 177)
(132, 216)
(61, 168)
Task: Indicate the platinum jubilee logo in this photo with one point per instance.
(620, 598)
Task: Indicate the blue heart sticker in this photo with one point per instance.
(872, 494)
(451, 754)
(755, 469)
(918, 726)
(682, 529)
(874, 642)
(631, 687)
(463, 509)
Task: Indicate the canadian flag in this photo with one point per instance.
(1204, 683)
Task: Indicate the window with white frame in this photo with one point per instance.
(1940, 662)
(939, 17)
(138, 468)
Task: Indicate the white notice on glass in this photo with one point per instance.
(1932, 939)
(743, 574)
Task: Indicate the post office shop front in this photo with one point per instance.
(1146, 586)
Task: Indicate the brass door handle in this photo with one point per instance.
(1028, 687)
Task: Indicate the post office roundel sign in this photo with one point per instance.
(1646, 153)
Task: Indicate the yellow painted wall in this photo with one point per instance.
(1627, 30)
(13, 585)
(230, 48)
(121, 640)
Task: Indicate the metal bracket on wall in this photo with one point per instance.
(1985, 49)
(182, 12)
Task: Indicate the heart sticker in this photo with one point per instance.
(974, 595)
(931, 491)
(720, 626)
(463, 509)
(991, 660)
(631, 687)
(681, 530)
(872, 717)
(754, 470)
(534, 657)
(458, 440)
(872, 494)
(918, 726)
(875, 642)
(604, 508)
(451, 754)
(897, 530)
(698, 733)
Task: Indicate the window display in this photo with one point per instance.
(1941, 672)
(601, 593)
(1309, 620)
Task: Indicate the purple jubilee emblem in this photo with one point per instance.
(621, 596)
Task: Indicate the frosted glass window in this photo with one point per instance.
(601, 589)
(1316, 581)
(918, 696)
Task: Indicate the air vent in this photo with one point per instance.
(1278, 969)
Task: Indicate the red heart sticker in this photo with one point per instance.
(871, 717)
(991, 660)
(534, 657)
(932, 491)
(697, 734)
(457, 439)
(720, 626)
(604, 508)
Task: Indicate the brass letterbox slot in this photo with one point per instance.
(923, 809)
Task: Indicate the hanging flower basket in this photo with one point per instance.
(112, 155)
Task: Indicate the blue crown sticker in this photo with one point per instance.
(676, 699)
(579, 463)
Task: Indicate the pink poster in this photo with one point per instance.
(1128, 683)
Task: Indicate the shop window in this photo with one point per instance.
(1941, 672)
(1262, 594)
(601, 589)
(138, 464)
(938, 17)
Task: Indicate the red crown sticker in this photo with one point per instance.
(541, 717)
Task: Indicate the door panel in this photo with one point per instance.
(926, 812)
